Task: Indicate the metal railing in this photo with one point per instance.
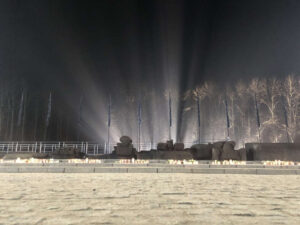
(48, 147)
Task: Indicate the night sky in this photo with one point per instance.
(128, 47)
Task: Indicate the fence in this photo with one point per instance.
(47, 147)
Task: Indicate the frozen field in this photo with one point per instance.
(149, 199)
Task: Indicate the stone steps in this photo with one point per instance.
(149, 168)
(157, 165)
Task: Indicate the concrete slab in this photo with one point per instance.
(276, 171)
(55, 169)
(104, 165)
(22, 164)
(9, 169)
(281, 167)
(173, 170)
(143, 170)
(111, 170)
(197, 166)
(163, 165)
(208, 171)
(79, 169)
(139, 168)
(30, 169)
(250, 166)
(130, 165)
(222, 166)
(240, 171)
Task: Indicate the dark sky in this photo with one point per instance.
(121, 47)
(214, 38)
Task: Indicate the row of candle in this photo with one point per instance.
(133, 161)
(46, 161)
(228, 162)
(31, 160)
(280, 163)
(84, 161)
(183, 162)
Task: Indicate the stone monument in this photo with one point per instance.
(125, 147)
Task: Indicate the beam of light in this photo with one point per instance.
(21, 109)
(79, 123)
(139, 124)
(152, 78)
(48, 116)
(198, 118)
(257, 117)
(108, 124)
(170, 116)
(227, 117)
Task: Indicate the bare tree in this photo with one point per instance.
(291, 94)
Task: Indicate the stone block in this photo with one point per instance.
(142, 170)
(273, 151)
(228, 152)
(30, 169)
(178, 147)
(173, 170)
(130, 165)
(208, 171)
(79, 170)
(55, 170)
(222, 166)
(276, 172)
(202, 151)
(216, 153)
(162, 147)
(240, 171)
(111, 170)
(9, 169)
(170, 145)
(218, 145)
(250, 166)
(197, 166)
(243, 154)
(124, 151)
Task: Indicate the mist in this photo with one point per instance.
(140, 51)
